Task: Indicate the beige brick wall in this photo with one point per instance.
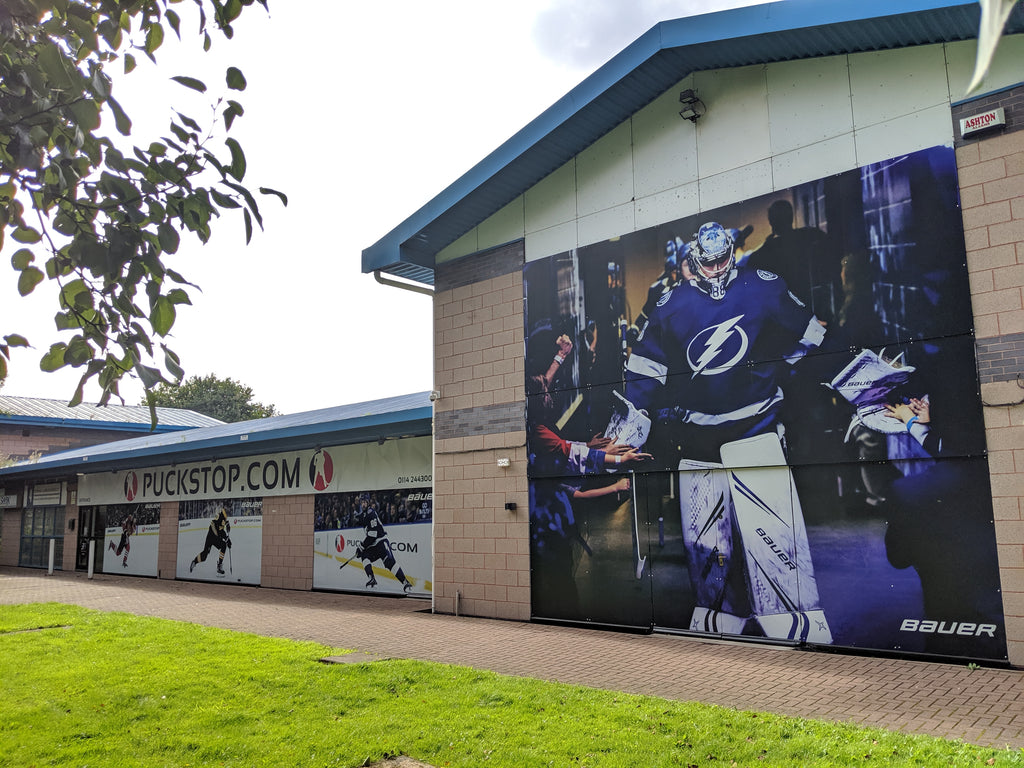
(482, 556)
(992, 195)
(10, 536)
(167, 554)
(287, 555)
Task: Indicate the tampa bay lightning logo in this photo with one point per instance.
(718, 348)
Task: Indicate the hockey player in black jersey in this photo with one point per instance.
(217, 536)
(127, 529)
(376, 546)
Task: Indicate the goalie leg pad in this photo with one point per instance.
(706, 510)
(771, 526)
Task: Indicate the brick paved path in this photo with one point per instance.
(983, 706)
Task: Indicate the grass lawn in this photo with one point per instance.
(86, 688)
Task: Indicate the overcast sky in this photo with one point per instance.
(360, 113)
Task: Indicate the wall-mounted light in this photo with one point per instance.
(692, 106)
(504, 462)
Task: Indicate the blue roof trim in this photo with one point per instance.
(403, 416)
(664, 55)
(110, 426)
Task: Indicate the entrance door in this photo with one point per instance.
(92, 526)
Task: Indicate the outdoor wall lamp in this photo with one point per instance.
(692, 106)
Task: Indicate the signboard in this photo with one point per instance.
(46, 495)
(994, 118)
(763, 420)
(395, 463)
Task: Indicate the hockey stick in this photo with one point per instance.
(640, 561)
(230, 569)
(347, 561)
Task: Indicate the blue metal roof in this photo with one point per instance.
(44, 412)
(667, 53)
(393, 417)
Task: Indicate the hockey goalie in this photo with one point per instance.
(707, 368)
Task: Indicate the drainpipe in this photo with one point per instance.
(434, 396)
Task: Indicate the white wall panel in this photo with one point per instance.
(503, 227)
(1006, 70)
(808, 102)
(552, 200)
(547, 242)
(464, 246)
(927, 128)
(734, 132)
(668, 205)
(812, 162)
(610, 222)
(738, 184)
(604, 172)
(664, 145)
(890, 84)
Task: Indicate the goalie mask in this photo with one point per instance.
(712, 256)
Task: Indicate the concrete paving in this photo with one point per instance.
(983, 706)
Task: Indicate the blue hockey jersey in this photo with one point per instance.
(718, 360)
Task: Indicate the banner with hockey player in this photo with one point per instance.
(374, 541)
(132, 539)
(220, 540)
(727, 411)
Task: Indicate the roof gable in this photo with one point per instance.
(666, 54)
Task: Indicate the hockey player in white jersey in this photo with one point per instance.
(706, 368)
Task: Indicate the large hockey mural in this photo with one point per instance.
(764, 421)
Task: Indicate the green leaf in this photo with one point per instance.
(173, 364)
(174, 21)
(150, 376)
(163, 315)
(14, 340)
(26, 235)
(154, 38)
(129, 63)
(235, 79)
(190, 82)
(269, 191)
(250, 201)
(76, 399)
(233, 110)
(54, 359)
(121, 119)
(78, 352)
(28, 280)
(169, 238)
(178, 296)
(189, 122)
(224, 201)
(237, 168)
(248, 226)
(22, 258)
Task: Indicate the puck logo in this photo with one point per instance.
(764, 274)
(339, 543)
(321, 470)
(131, 486)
